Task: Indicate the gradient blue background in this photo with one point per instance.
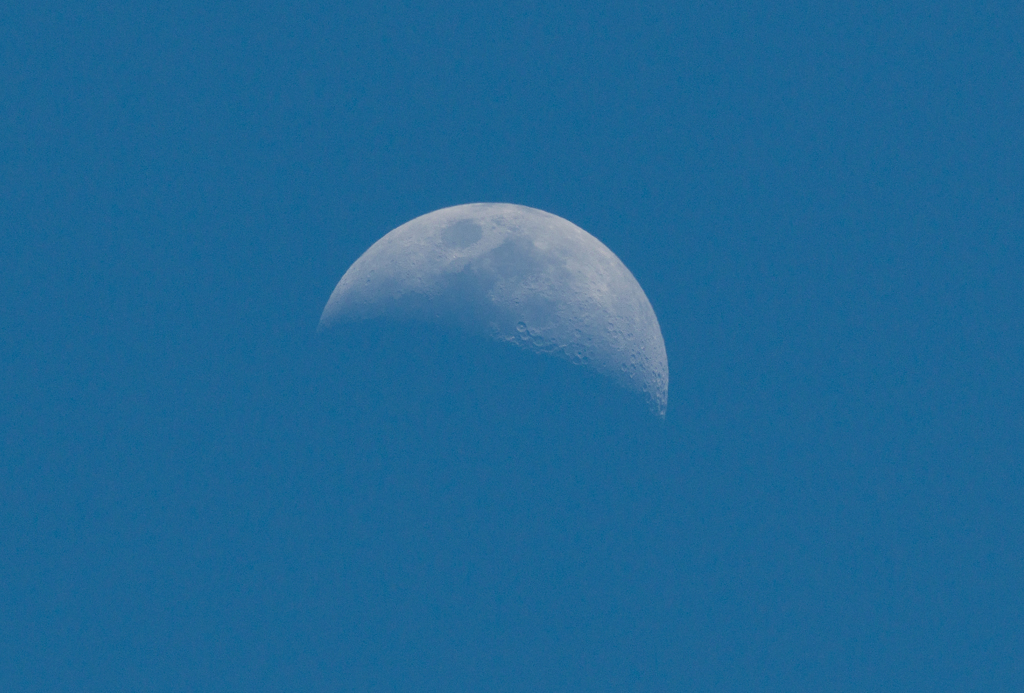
(824, 205)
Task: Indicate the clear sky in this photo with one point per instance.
(822, 201)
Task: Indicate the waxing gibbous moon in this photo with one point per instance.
(517, 275)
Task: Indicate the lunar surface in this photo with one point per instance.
(514, 274)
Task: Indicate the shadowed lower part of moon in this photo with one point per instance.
(498, 494)
(515, 275)
(425, 386)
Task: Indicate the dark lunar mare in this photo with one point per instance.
(495, 508)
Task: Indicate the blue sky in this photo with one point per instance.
(823, 204)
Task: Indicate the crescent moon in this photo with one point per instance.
(514, 274)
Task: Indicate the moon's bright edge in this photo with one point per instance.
(514, 274)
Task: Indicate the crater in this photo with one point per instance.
(462, 233)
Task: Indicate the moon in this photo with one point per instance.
(514, 274)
